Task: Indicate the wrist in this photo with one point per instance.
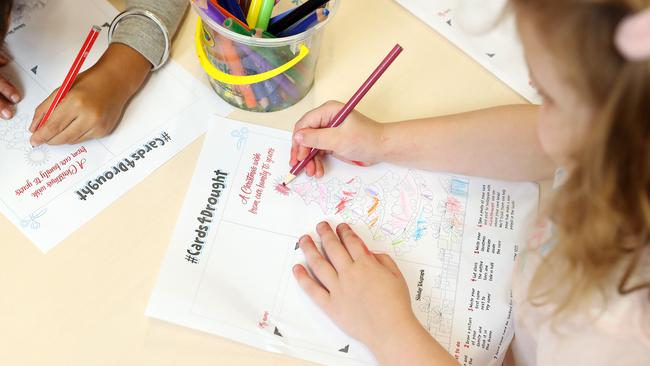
(385, 141)
(125, 67)
(399, 333)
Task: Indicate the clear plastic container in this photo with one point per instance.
(259, 74)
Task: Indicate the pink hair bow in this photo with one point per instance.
(633, 36)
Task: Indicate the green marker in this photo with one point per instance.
(265, 14)
(232, 25)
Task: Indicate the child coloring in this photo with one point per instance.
(581, 287)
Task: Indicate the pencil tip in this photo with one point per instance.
(289, 178)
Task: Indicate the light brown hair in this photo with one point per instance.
(602, 210)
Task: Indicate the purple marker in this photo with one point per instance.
(211, 11)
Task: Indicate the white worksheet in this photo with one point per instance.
(228, 267)
(478, 29)
(48, 192)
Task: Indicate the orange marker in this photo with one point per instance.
(232, 58)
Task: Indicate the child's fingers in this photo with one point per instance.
(303, 152)
(319, 117)
(312, 288)
(332, 246)
(293, 158)
(71, 133)
(322, 269)
(84, 137)
(6, 109)
(51, 128)
(41, 110)
(318, 161)
(9, 91)
(310, 168)
(353, 243)
(388, 262)
(322, 138)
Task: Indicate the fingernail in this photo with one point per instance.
(299, 137)
(15, 98)
(6, 113)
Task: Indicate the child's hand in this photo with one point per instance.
(357, 140)
(94, 105)
(364, 293)
(8, 94)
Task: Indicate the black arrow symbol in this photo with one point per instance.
(34, 69)
(449, 22)
(106, 25)
(490, 55)
(345, 349)
(277, 332)
(297, 246)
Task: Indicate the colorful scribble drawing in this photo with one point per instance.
(401, 210)
(405, 211)
(15, 136)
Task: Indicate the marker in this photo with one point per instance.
(231, 57)
(232, 25)
(347, 108)
(72, 73)
(233, 8)
(314, 18)
(211, 11)
(265, 14)
(277, 18)
(227, 14)
(245, 5)
(296, 15)
(254, 13)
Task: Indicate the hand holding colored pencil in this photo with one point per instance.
(347, 108)
(72, 73)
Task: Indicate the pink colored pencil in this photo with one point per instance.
(72, 74)
(348, 107)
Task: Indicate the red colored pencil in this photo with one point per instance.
(72, 73)
(348, 107)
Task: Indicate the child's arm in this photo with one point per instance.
(499, 142)
(365, 294)
(96, 102)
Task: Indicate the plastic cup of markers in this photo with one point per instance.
(259, 74)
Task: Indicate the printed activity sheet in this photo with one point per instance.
(480, 29)
(50, 191)
(228, 267)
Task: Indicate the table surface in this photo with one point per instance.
(83, 303)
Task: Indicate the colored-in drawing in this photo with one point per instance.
(280, 187)
(400, 210)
